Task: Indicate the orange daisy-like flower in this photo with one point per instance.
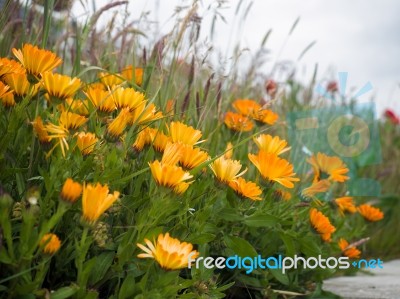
(370, 213)
(180, 132)
(191, 157)
(127, 98)
(269, 144)
(36, 60)
(96, 200)
(246, 107)
(226, 170)
(170, 176)
(159, 139)
(321, 224)
(77, 106)
(228, 151)
(170, 107)
(349, 251)
(143, 138)
(316, 187)
(133, 75)
(101, 99)
(60, 133)
(143, 114)
(265, 116)
(346, 204)
(19, 84)
(246, 189)
(4, 90)
(8, 66)
(110, 80)
(118, 125)
(86, 142)
(172, 154)
(71, 120)
(333, 167)
(40, 130)
(50, 243)
(8, 100)
(71, 191)
(170, 253)
(238, 122)
(60, 86)
(273, 168)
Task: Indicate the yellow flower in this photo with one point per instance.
(274, 168)
(170, 107)
(172, 154)
(370, 213)
(170, 176)
(101, 99)
(331, 166)
(266, 116)
(71, 120)
(19, 83)
(8, 100)
(246, 189)
(228, 151)
(127, 98)
(180, 132)
(58, 132)
(110, 80)
(170, 253)
(75, 105)
(316, 187)
(159, 139)
(96, 200)
(246, 107)
(130, 75)
(40, 130)
(346, 204)
(4, 90)
(349, 251)
(50, 243)
(86, 142)
(118, 125)
(226, 170)
(8, 66)
(36, 60)
(192, 157)
(71, 191)
(143, 114)
(238, 122)
(143, 138)
(60, 86)
(321, 224)
(273, 145)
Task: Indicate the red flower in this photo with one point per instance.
(332, 86)
(392, 116)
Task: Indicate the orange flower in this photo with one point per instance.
(143, 114)
(71, 191)
(349, 251)
(172, 154)
(40, 130)
(316, 187)
(50, 243)
(183, 133)
(333, 167)
(246, 189)
(238, 122)
(70, 120)
(170, 253)
(246, 107)
(143, 138)
(4, 90)
(346, 204)
(75, 105)
(60, 86)
(86, 142)
(19, 83)
(273, 145)
(36, 60)
(101, 99)
(8, 100)
(8, 66)
(266, 116)
(110, 80)
(228, 151)
(370, 213)
(96, 200)
(159, 139)
(127, 98)
(321, 224)
(273, 168)
(58, 132)
(170, 107)
(226, 170)
(192, 157)
(118, 125)
(130, 75)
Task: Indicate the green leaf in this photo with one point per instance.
(103, 263)
(201, 238)
(261, 220)
(240, 246)
(282, 278)
(309, 246)
(289, 244)
(128, 287)
(65, 292)
(229, 214)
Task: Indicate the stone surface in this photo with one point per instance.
(377, 284)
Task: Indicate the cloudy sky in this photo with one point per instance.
(361, 37)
